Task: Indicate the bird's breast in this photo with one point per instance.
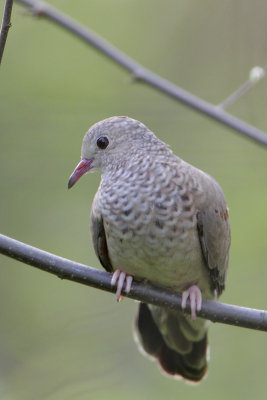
(150, 226)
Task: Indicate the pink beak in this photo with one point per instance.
(83, 167)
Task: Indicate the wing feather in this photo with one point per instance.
(100, 241)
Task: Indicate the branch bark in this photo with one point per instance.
(70, 270)
(6, 24)
(142, 74)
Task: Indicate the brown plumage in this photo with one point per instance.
(158, 218)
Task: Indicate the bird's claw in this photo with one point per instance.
(118, 278)
(195, 298)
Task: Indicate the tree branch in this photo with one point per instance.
(5, 26)
(142, 74)
(256, 74)
(66, 269)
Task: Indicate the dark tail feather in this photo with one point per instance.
(191, 366)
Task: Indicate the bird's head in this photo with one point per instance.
(112, 142)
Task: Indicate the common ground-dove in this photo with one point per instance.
(157, 218)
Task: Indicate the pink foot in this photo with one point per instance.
(118, 278)
(195, 298)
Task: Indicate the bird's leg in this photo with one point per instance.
(118, 278)
(195, 297)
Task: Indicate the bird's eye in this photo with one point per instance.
(102, 142)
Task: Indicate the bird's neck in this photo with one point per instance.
(135, 166)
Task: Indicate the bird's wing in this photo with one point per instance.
(214, 236)
(100, 241)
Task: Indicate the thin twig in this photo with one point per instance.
(6, 24)
(256, 74)
(66, 269)
(142, 74)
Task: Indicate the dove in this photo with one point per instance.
(158, 219)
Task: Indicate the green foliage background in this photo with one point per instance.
(60, 340)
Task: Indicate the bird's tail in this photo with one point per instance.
(175, 341)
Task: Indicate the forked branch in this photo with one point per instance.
(142, 74)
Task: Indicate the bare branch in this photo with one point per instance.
(142, 74)
(256, 74)
(6, 24)
(66, 269)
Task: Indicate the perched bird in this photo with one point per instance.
(157, 218)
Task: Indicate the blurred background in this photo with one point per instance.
(61, 340)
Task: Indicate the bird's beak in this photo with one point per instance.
(84, 166)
